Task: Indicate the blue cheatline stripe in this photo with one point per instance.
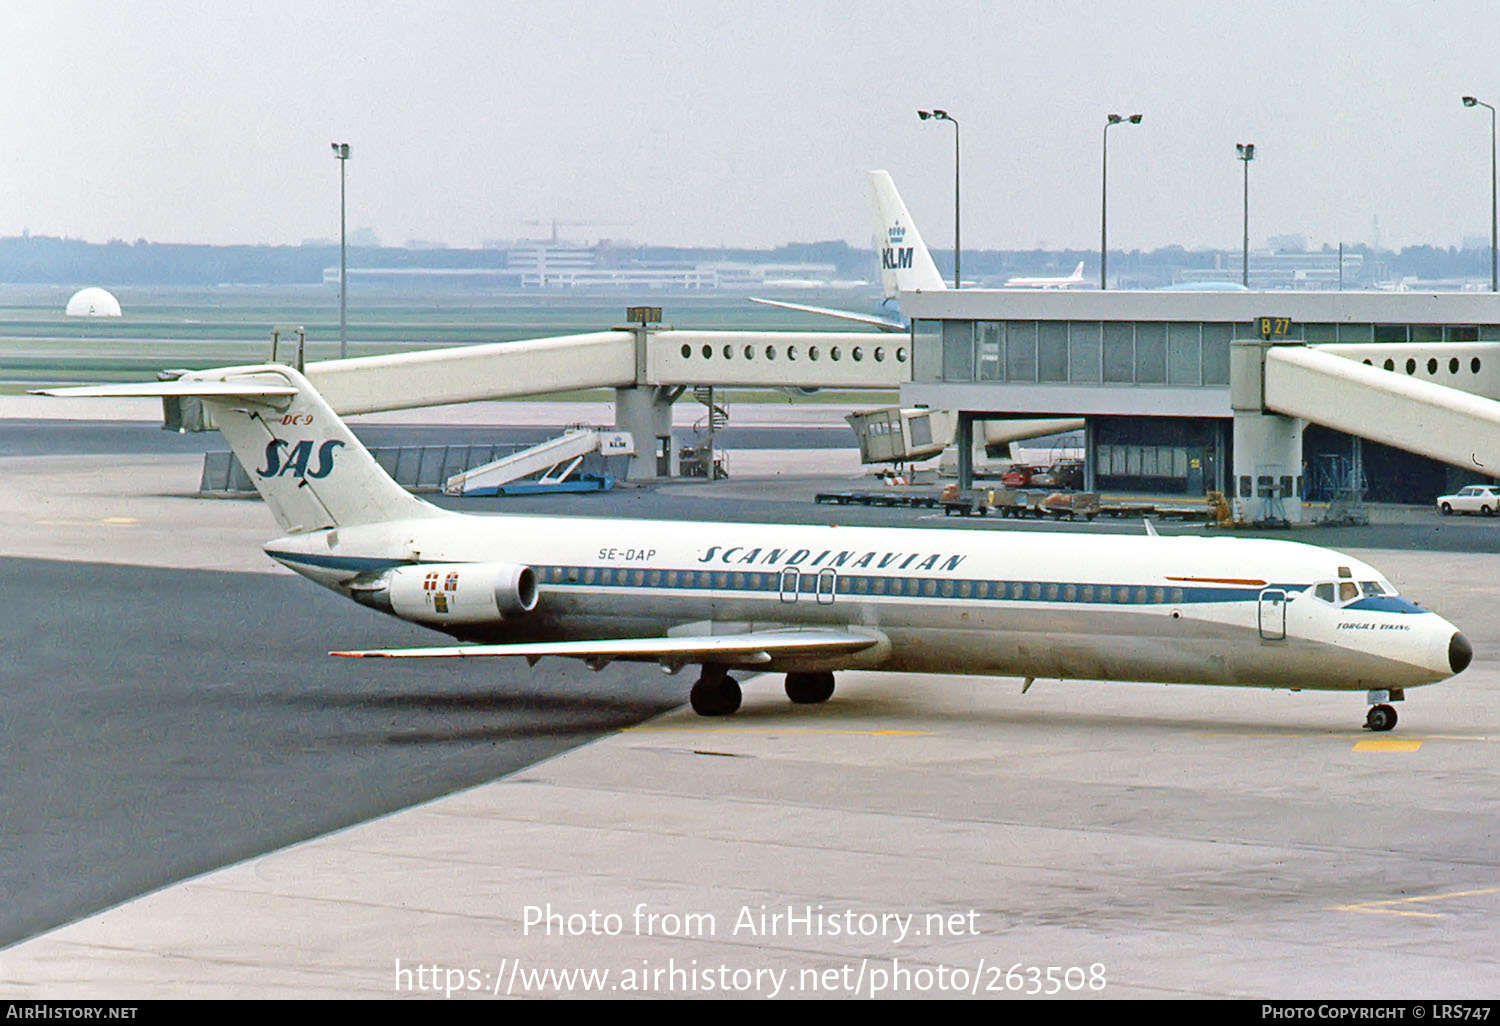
(864, 586)
(861, 586)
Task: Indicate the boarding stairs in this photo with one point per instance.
(552, 463)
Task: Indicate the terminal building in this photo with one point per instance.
(1151, 373)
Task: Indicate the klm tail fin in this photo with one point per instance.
(304, 461)
(905, 264)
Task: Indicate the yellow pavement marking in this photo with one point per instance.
(774, 730)
(1384, 907)
(1344, 736)
(120, 521)
(1386, 745)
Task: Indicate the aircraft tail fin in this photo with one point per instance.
(308, 466)
(905, 263)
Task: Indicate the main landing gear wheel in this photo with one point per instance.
(809, 688)
(715, 693)
(1380, 718)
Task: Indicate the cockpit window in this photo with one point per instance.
(1345, 592)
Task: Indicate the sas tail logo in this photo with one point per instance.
(283, 459)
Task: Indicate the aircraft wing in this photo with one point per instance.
(883, 323)
(191, 388)
(749, 648)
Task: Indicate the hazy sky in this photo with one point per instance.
(746, 123)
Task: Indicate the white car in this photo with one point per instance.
(1483, 499)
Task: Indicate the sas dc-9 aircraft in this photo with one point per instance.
(808, 601)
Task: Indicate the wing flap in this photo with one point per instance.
(754, 648)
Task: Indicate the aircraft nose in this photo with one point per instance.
(1460, 652)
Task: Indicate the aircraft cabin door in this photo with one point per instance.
(828, 584)
(1273, 614)
(790, 583)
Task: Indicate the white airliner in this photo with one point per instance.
(1076, 278)
(810, 600)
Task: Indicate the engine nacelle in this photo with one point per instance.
(441, 593)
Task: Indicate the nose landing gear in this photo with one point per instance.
(1381, 716)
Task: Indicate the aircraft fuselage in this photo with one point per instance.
(1010, 603)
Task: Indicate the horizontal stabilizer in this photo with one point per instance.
(182, 389)
(755, 647)
(308, 466)
(883, 323)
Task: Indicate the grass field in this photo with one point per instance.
(198, 328)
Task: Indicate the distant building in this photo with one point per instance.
(1290, 269)
(93, 302)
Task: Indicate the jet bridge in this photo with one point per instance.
(1426, 399)
(648, 366)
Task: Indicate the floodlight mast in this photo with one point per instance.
(1246, 155)
(1471, 101)
(341, 154)
(1113, 119)
(942, 115)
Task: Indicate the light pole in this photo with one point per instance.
(1113, 119)
(341, 154)
(942, 115)
(1470, 101)
(1247, 154)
